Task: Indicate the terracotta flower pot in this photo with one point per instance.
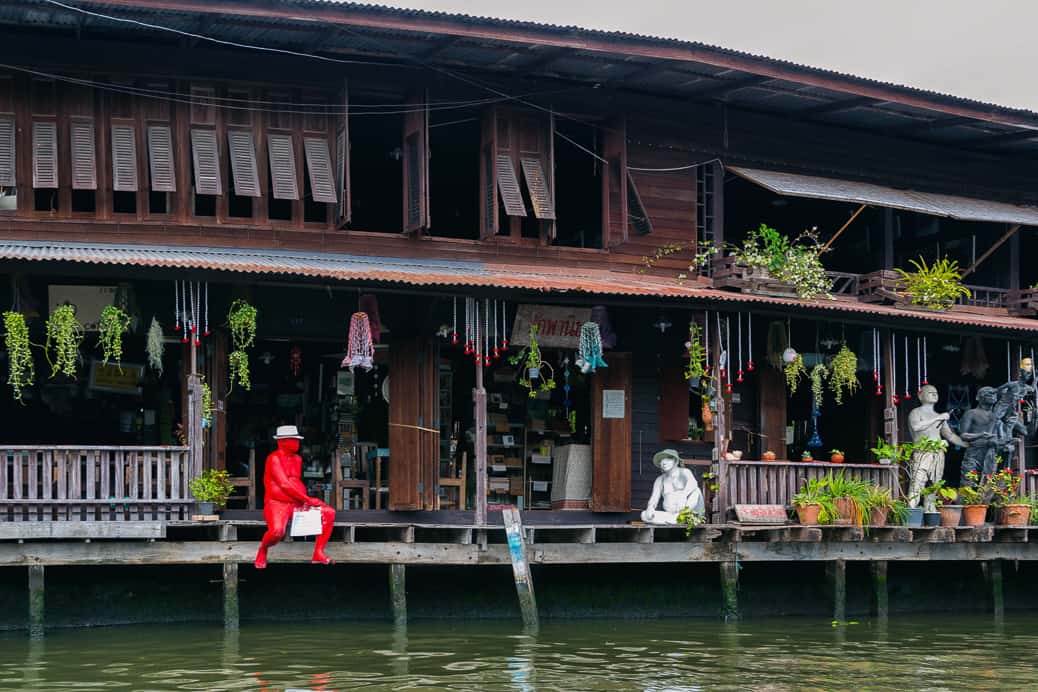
(844, 510)
(768, 456)
(951, 515)
(836, 458)
(878, 516)
(808, 514)
(974, 515)
(1015, 515)
(806, 457)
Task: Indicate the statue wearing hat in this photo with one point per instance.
(285, 493)
(676, 486)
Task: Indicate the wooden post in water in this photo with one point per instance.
(521, 568)
(880, 596)
(729, 590)
(230, 596)
(479, 402)
(398, 593)
(837, 574)
(993, 575)
(36, 602)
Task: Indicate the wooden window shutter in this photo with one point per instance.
(160, 159)
(508, 185)
(673, 405)
(206, 154)
(84, 159)
(8, 178)
(343, 208)
(243, 163)
(44, 155)
(614, 183)
(488, 222)
(282, 167)
(636, 213)
(416, 166)
(319, 166)
(124, 158)
(539, 188)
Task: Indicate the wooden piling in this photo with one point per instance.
(230, 596)
(729, 591)
(880, 595)
(837, 574)
(521, 568)
(36, 602)
(398, 593)
(993, 573)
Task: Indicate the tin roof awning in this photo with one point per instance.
(949, 206)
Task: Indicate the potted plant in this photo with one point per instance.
(928, 496)
(898, 513)
(836, 456)
(849, 499)
(813, 503)
(974, 508)
(211, 489)
(767, 254)
(935, 286)
(843, 374)
(880, 503)
(885, 453)
(531, 366)
(806, 456)
(951, 513)
(1004, 488)
(768, 456)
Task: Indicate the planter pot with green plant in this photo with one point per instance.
(814, 504)
(935, 286)
(1003, 487)
(806, 456)
(21, 371)
(850, 497)
(974, 508)
(836, 456)
(880, 503)
(211, 490)
(898, 514)
(535, 374)
(931, 497)
(769, 255)
(885, 453)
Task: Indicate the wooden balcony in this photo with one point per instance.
(94, 483)
(776, 482)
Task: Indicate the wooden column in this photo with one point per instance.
(398, 593)
(880, 595)
(772, 397)
(230, 595)
(890, 423)
(729, 590)
(193, 422)
(836, 573)
(36, 602)
(993, 576)
(479, 403)
(888, 238)
(521, 569)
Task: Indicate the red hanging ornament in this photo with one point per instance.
(749, 366)
(739, 378)
(497, 353)
(468, 349)
(486, 361)
(454, 338)
(728, 388)
(295, 360)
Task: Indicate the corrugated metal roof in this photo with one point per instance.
(952, 206)
(433, 272)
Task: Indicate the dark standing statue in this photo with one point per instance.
(978, 428)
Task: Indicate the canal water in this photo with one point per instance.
(910, 652)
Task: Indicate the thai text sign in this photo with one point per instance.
(113, 378)
(557, 326)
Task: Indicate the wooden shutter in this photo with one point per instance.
(243, 163)
(416, 166)
(343, 208)
(84, 160)
(206, 155)
(124, 158)
(611, 438)
(614, 183)
(637, 216)
(282, 167)
(413, 416)
(488, 222)
(674, 405)
(160, 159)
(319, 166)
(539, 188)
(8, 178)
(44, 155)
(508, 186)
(772, 397)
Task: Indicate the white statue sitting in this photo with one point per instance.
(676, 486)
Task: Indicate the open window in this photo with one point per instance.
(376, 198)
(579, 179)
(454, 151)
(343, 208)
(319, 180)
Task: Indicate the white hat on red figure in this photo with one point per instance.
(287, 431)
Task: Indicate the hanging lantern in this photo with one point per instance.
(368, 304)
(789, 355)
(589, 353)
(360, 349)
(295, 360)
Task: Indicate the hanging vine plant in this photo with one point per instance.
(242, 320)
(696, 368)
(795, 371)
(818, 375)
(21, 372)
(155, 346)
(64, 335)
(843, 374)
(114, 322)
(207, 404)
(535, 374)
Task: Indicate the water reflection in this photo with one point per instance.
(672, 655)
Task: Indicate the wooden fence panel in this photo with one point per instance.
(775, 482)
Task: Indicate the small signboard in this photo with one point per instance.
(557, 326)
(612, 403)
(761, 514)
(124, 379)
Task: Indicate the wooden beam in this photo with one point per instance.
(723, 89)
(36, 602)
(479, 403)
(843, 227)
(398, 593)
(836, 572)
(880, 595)
(834, 107)
(230, 596)
(987, 253)
(521, 569)
(729, 591)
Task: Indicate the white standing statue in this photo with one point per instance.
(926, 424)
(676, 486)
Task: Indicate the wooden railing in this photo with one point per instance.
(985, 297)
(776, 482)
(80, 483)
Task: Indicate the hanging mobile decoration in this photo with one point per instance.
(197, 314)
(894, 398)
(739, 337)
(919, 362)
(728, 350)
(1009, 362)
(908, 394)
(206, 332)
(295, 360)
(486, 332)
(589, 351)
(565, 386)
(723, 355)
(876, 364)
(176, 305)
(706, 341)
(926, 368)
(186, 319)
(497, 351)
(360, 349)
(749, 341)
(504, 326)
(475, 333)
(454, 322)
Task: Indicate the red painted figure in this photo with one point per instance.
(285, 493)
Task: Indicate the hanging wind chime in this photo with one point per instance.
(295, 360)
(589, 352)
(894, 398)
(876, 363)
(360, 349)
(749, 341)
(706, 342)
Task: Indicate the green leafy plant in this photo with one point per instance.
(853, 490)
(21, 371)
(238, 364)
(696, 367)
(64, 335)
(154, 346)
(690, 519)
(818, 375)
(883, 450)
(795, 371)
(898, 513)
(212, 486)
(114, 322)
(797, 262)
(530, 359)
(1032, 503)
(836, 451)
(926, 445)
(936, 286)
(1001, 488)
(710, 482)
(843, 374)
(207, 404)
(970, 495)
(815, 491)
(241, 318)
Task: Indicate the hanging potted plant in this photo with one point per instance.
(794, 370)
(533, 366)
(695, 369)
(818, 375)
(21, 372)
(933, 286)
(242, 320)
(154, 346)
(114, 322)
(843, 374)
(64, 335)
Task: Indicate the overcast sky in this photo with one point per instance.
(986, 50)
